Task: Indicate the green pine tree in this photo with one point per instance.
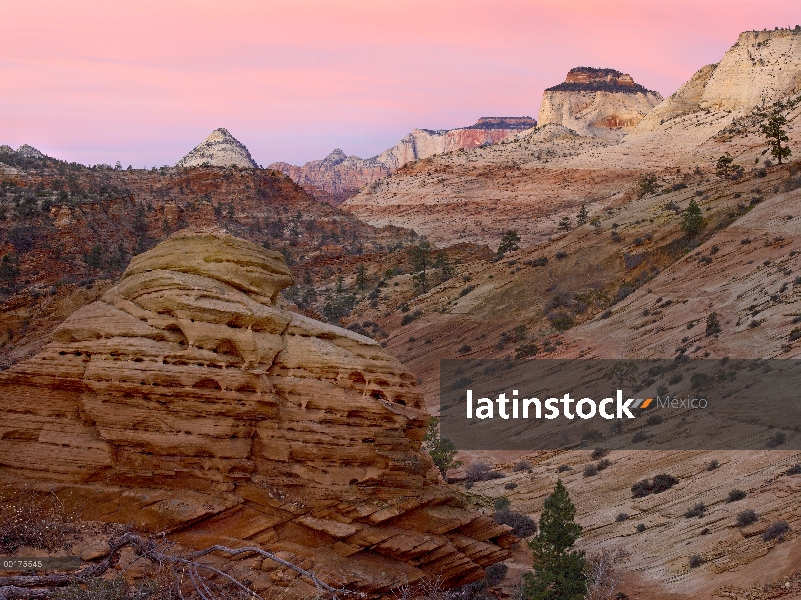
(509, 242)
(441, 450)
(361, 276)
(582, 216)
(775, 133)
(691, 218)
(558, 569)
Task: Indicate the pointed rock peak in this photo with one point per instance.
(219, 149)
(29, 152)
(337, 156)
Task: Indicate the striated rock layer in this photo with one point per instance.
(598, 102)
(186, 401)
(220, 149)
(338, 177)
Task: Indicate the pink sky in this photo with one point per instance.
(143, 82)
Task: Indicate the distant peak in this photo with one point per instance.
(29, 152)
(219, 149)
(504, 123)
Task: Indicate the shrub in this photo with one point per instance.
(494, 574)
(640, 527)
(599, 453)
(777, 440)
(776, 531)
(747, 517)
(696, 511)
(794, 470)
(501, 503)
(654, 420)
(640, 436)
(603, 464)
(409, 317)
(522, 465)
(590, 471)
(621, 517)
(510, 485)
(660, 483)
(522, 525)
(464, 348)
(695, 561)
(563, 468)
(560, 255)
(466, 290)
(481, 471)
(468, 485)
(35, 519)
(539, 262)
(735, 495)
(713, 464)
(712, 324)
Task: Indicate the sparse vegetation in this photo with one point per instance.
(735, 496)
(747, 517)
(441, 450)
(776, 531)
(659, 484)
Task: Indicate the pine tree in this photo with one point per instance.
(361, 276)
(723, 166)
(691, 218)
(558, 569)
(582, 216)
(441, 450)
(774, 132)
(564, 224)
(509, 242)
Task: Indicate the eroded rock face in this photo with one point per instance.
(338, 177)
(186, 401)
(598, 102)
(220, 149)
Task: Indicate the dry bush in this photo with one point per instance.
(603, 579)
(35, 519)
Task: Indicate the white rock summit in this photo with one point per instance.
(220, 149)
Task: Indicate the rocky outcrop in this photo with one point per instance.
(597, 102)
(761, 68)
(220, 149)
(338, 177)
(187, 401)
(27, 151)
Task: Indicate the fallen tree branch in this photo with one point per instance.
(39, 586)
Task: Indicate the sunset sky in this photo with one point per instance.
(143, 82)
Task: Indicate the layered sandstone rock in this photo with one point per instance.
(338, 177)
(220, 149)
(186, 401)
(761, 68)
(597, 102)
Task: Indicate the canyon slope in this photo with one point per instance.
(186, 401)
(536, 179)
(597, 102)
(338, 176)
(219, 149)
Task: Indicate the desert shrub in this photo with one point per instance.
(640, 436)
(735, 495)
(713, 464)
(654, 420)
(623, 293)
(522, 525)
(539, 261)
(481, 471)
(794, 470)
(521, 465)
(599, 453)
(603, 464)
(466, 290)
(777, 440)
(712, 324)
(776, 531)
(606, 314)
(615, 236)
(501, 503)
(640, 527)
(464, 348)
(659, 484)
(95, 588)
(621, 517)
(526, 350)
(35, 519)
(695, 561)
(510, 485)
(409, 317)
(563, 468)
(560, 255)
(494, 574)
(747, 517)
(697, 510)
(590, 471)
(468, 485)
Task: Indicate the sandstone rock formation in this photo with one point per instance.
(220, 149)
(27, 151)
(338, 177)
(762, 67)
(598, 102)
(186, 401)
